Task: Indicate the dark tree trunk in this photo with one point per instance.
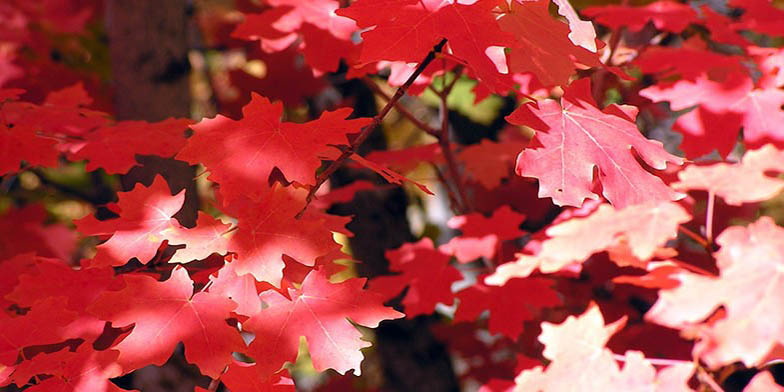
(148, 42)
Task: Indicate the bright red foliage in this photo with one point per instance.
(611, 279)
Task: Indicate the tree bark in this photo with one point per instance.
(148, 44)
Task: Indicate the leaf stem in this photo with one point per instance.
(365, 132)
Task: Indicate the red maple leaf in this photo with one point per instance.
(575, 137)
(144, 214)
(47, 322)
(114, 148)
(542, 46)
(426, 272)
(240, 155)
(482, 236)
(208, 237)
(242, 289)
(643, 228)
(246, 377)
(751, 261)
(666, 15)
(24, 230)
(407, 30)
(21, 143)
(166, 313)
(82, 370)
(320, 311)
(748, 181)
(489, 162)
(266, 231)
(326, 36)
(510, 305)
(580, 361)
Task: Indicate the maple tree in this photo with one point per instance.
(559, 197)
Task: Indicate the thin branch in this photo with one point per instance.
(454, 205)
(458, 71)
(706, 378)
(446, 149)
(365, 132)
(402, 110)
(655, 361)
(709, 217)
(696, 237)
(213, 385)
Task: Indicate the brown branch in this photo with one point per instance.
(365, 132)
(446, 148)
(402, 110)
(213, 385)
(696, 237)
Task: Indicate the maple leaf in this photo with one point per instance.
(489, 162)
(286, 79)
(580, 361)
(575, 137)
(320, 311)
(510, 305)
(426, 272)
(242, 289)
(744, 182)
(114, 148)
(750, 284)
(725, 94)
(21, 143)
(760, 16)
(47, 322)
(581, 32)
(406, 30)
(208, 237)
(82, 370)
(145, 212)
(241, 154)
(166, 313)
(266, 231)
(245, 377)
(24, 230)
(52, 278)
(643, 228)
(326, 36)
(666, 16)
(542, 46)
(482, 236)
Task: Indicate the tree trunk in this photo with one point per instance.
(148, 43)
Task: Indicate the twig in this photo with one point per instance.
(655, 361)
(402, 110)
(709, 217)
(213, 385)
(450, 193)
(365, 132)
(446, 149)
(703, 376)
(696, 237)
